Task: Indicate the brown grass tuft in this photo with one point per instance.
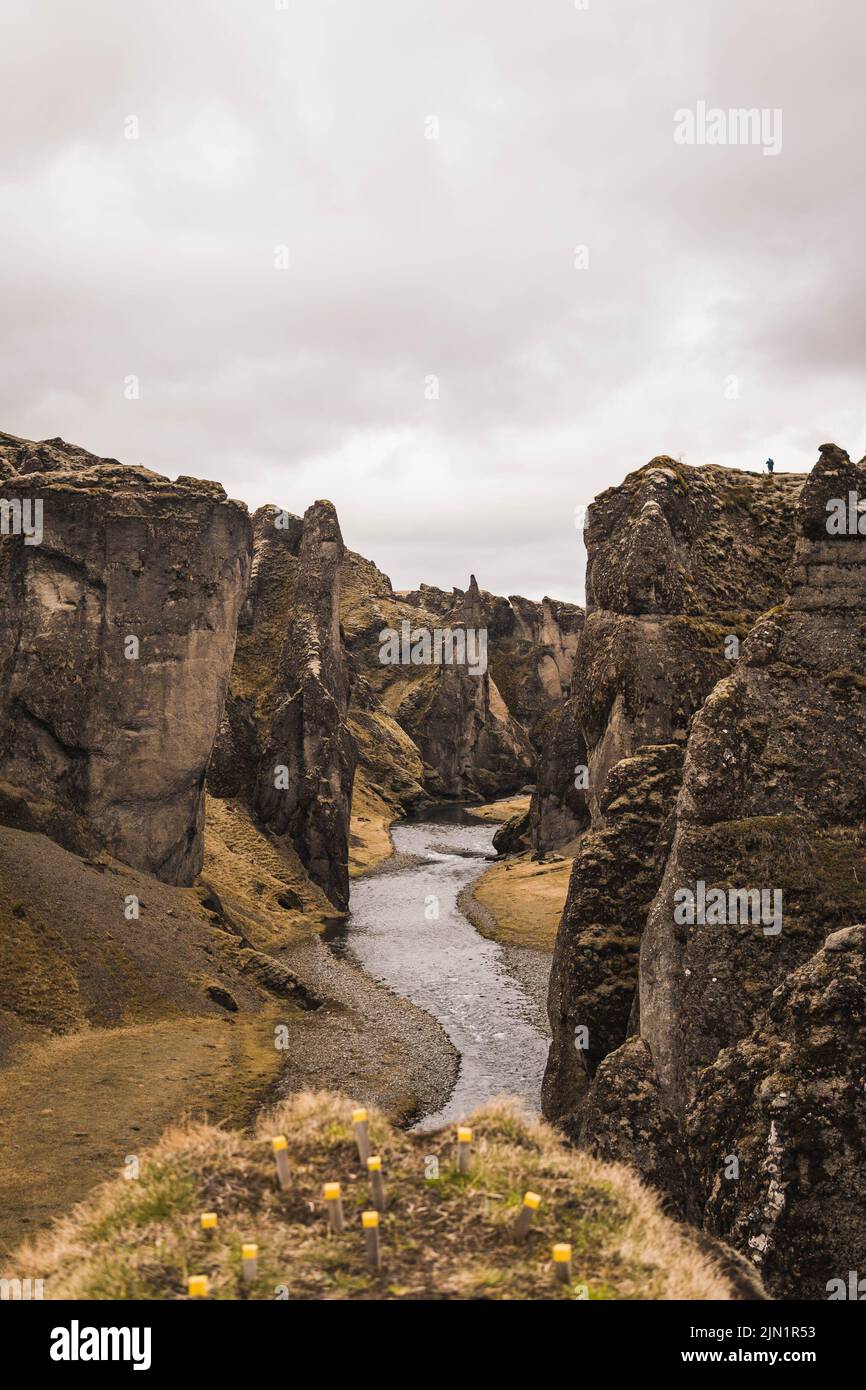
(446, 1238)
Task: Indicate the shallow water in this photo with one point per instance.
(444, 965)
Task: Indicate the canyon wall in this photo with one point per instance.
(739, 1091)
(121, 745)
(471, 744)
(680, 562)
(117, 633)
(285, 748)
(473, 732)
(559, 808)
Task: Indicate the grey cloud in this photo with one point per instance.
(411, 257)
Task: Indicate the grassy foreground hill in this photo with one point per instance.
(445, 1237)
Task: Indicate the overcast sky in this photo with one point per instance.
(411, 257)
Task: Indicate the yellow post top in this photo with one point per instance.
(249, 1252)
(359, 1117)
(332, 1191)
(369, 1220)
(208, 1220)
(374, 1164)
(561, 1254)
(279, 1142)
(464, 1135)
(532, 1200)
(198, 1286)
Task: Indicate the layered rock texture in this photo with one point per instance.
(470, 743)
(473, 731)
(746, 1059)
(787, 1100)
(120, 627)
(559, 809)
(593, 978)
(533, 646)
(117, 633)
(285, 748)
(680, 561)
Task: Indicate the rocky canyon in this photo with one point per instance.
(227, 743)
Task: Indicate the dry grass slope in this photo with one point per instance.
(447, 1238)
(521, 902)
(251, 876)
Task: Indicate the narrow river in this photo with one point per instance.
(407, 931)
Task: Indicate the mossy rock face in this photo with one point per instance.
(719, 975)
(559, 809)
(787, 1101)
(624, 1116)
(679, 561)
(774, 796)
(289, 697)
(676, 539)
(477, 734)
(615, 874)
(773, 802)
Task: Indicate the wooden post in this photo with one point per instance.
(362, 1134)
(370, 1223)
(281, 1158)
(562, 1263)
(209, 1223)
(377, 1182)
(198, 1286)
(464, 1148)
(334, 1205)
(249, 1261)
(531, 1203)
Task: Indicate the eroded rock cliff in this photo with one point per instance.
(749, 1023)
(470, 743)
(285, 747)
(473, 729)
(787, 1102)
(117, 633)
(680, 563)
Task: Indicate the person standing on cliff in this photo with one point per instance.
(769, 465)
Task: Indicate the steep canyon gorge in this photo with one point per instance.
(203, 752)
